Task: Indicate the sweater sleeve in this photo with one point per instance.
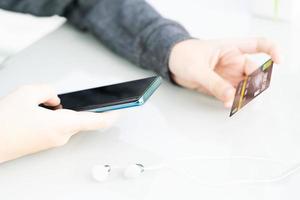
(131, 28)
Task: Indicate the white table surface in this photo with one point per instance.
(174, 124)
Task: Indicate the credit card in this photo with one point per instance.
(252, 86)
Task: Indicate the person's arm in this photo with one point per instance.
(131, 28)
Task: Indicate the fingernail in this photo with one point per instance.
(228, 104)
(280, 59)
(229, 93)
(229, 96)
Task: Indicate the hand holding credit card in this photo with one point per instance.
(252, 86)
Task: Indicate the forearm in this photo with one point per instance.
(134, 30)
(131, 28)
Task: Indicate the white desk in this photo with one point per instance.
(174, 123)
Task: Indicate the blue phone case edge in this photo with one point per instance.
(156, 83)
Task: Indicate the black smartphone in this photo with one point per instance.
(110, 97)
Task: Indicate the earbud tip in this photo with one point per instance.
(133, 171)
(100, 172)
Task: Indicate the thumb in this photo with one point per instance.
(219, 88)
(38, 94)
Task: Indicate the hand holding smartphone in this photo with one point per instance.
(111, 97)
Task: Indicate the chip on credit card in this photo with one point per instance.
(252, 86)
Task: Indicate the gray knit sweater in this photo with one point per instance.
(130, 28)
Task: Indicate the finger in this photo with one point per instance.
(93, 121)
(219, 87)
(260, 45)
(269, 47)
(227, 104)
(250, 66)
(40, 94)
(86, 121)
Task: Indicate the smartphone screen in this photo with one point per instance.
(107, 96)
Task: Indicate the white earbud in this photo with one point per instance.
(101, 172)
(134, 171)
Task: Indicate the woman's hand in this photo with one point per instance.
(216, 67)
(25, 127)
